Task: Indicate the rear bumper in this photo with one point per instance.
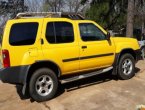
(14, 75)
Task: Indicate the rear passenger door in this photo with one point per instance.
(61, 44)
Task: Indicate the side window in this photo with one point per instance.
(89, 32)
(50, 33)
(23, 34)
(59, 32)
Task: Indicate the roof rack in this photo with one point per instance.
(74, 16)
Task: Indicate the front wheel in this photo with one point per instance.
(126, 67)
(43, 84)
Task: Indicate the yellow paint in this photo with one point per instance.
(29, 54)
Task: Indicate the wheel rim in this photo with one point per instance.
(44, 85)
(127, 67)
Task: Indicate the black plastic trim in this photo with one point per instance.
(87, 57)
(138, 55)
(14, 75)
(71, 59)
(117, 56)
(94, 56)
(41, 61)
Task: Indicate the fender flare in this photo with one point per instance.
(116, 60)
(28, 69)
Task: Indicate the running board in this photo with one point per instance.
(82, 76)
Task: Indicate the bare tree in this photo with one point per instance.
(77, 5)
(9, 9)
(73, 5)
(34, 5)
(140, 12)
(55, 5)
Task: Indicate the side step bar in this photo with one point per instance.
(82, 76)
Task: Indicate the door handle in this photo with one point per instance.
(84, 47)
(42, 41)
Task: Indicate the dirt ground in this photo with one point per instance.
(102, 92)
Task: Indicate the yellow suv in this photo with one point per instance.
(38, 52)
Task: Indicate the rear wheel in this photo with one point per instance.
(43, 85)
(126, 67)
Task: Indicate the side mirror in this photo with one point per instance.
(108, 36)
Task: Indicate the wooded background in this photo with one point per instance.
(110, 14)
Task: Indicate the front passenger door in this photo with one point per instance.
(95, 50)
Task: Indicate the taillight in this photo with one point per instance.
(6, 58)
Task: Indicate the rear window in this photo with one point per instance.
(23, 33)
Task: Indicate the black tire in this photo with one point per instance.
(43, 72)
(131, 72)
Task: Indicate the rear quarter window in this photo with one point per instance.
(23, 33)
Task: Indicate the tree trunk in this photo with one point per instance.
(142, 26)
(143, 17)
(130, 18)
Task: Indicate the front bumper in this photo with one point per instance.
(14, 75)
(138, 55)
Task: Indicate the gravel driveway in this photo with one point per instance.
(102, 92)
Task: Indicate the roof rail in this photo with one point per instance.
(74, 16)
(38, 14)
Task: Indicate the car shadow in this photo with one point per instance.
(98, 79)
(137, 70)
(19, 91)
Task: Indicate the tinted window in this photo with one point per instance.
(23, 33)
(89, 32)
(59, 32)
(50, 33)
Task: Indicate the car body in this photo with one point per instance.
(62, 46)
